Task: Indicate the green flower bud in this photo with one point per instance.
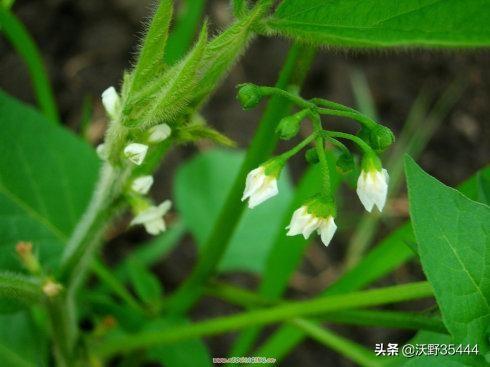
(249, 95)
(289, 126)
(381, 138)
(311, 156)
(345, 162)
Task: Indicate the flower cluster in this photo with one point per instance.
(318, 213)
(146, 214)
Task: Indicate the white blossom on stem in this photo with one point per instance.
(136, 152)
(111, 102)
(259, 187)
(142, 184)
(372, 188)
(305, 223)
(152, 218)
(159, 133)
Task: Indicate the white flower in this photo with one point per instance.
(152, 218)
(259, 187)
(136, 152)
(111, 101)
(372, 188)
(142, 184)
(305, 223)
(101, 151)
(158, 133)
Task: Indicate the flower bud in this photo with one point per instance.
(249, 95)
(27, 257)
(142, 184)
(111, 102)
(136, 152)
(289, 126)
(311, 156)
(345, 162)
(158, 133)
(380, 138)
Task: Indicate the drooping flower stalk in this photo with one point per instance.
(318, 214)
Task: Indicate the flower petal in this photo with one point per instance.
(136, 152)
(254, 181)
(142, 184)
(327, 230)
(263, 193)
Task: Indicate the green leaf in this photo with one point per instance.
(385, 23)
(46, 179)
(453, 236)
(175, 87)
(151, 59)
(190, 353)
(21, 342)
(483, 187)
(145, 284)
(239, 7)
(200, 190)
(18, 290)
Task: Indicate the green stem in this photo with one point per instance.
(335, 109)
(294, 98)
(360, 143)
(375, 318)
(320, 148)
(292, 152)
(62, 337)
(261, 148)
(346, 347)
(356, 116)
(333, 105)
(271, 315)
(89, 231)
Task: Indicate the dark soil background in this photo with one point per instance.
(87, 44)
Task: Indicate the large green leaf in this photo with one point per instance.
(453, 237)
(200, 190)
(385, 23)
(46, 178)
(21, 342)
